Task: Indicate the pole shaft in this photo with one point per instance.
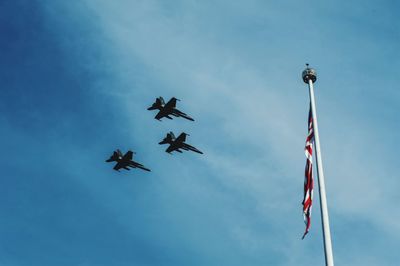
(321, 184)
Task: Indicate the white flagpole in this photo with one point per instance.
(309, 77)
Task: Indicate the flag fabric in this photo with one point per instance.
(308, 180)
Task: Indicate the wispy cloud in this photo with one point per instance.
(236, 67)
(253, 130)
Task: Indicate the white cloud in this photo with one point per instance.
(250, 112)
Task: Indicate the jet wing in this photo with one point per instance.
(171, 148)
(160, 114)
(118, 166)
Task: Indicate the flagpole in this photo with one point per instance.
(309, 77)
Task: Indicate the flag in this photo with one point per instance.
(308, 180)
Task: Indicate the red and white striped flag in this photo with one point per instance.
(308, 181)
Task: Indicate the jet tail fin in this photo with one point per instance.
(158, 104)
(168, 139)
(114, 157)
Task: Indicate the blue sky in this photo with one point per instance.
(77, 76)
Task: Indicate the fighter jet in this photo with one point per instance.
(168, 109)
(176, 144)
(125, 161)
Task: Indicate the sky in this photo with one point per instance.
(76, 79)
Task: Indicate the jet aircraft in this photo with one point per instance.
(176, 144)
(125, 161)
(167, 109)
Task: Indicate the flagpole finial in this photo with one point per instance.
(309, 74)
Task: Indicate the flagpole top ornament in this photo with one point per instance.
(309, 74)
